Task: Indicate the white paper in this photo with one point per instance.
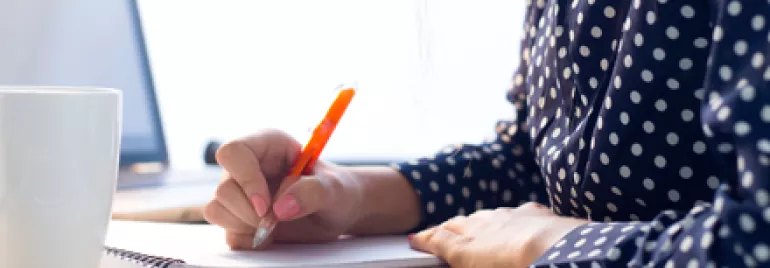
(203, 246)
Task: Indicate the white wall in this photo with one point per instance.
(18, 31)
(430, 72)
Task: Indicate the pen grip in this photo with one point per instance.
(321, 134)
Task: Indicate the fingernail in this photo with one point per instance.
(410, 239)
(286, 207)
(259, 205)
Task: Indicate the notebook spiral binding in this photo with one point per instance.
(145, 260)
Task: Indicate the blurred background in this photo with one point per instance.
(430, 72)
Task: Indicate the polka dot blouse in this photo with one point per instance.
(649, 117)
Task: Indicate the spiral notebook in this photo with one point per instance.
(171, 245)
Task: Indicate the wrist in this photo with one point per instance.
(548, 235)
(349, 197)
(385, 203)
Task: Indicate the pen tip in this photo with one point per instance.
(259, 237)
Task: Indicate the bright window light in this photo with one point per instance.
(430, 72)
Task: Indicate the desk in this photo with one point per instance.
(180, 203)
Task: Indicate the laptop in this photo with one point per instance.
(100, 43)
(149, 188)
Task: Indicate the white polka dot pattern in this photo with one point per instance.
(650, 118)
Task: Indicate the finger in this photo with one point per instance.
(230, 195)
(275, 150)
(456, 224)
(446, 245)
(241, 162)
(217, 214)
(532, 208)
(440, 242)
(419, 241)
(308, 195)
(533, 205)
(482, 214)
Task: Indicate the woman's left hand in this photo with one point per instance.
(504, 237)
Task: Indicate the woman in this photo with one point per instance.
(641, 136)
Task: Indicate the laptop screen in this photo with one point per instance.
(94, 43)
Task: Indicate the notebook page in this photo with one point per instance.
(203, 246)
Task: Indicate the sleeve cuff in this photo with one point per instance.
(595, 245)
(413, 171)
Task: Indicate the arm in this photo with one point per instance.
(733, 230)
(464, 178)
(459, 179)
(388, 205)
(501, 172)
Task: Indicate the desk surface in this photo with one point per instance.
(178, 203)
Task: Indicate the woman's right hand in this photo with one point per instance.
(317, 207)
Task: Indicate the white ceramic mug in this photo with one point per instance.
(59, 153)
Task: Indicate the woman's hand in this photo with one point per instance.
(504, 237)
(316, 208)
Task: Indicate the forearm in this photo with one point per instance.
(388, 203)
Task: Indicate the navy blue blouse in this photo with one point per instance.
(649, 117)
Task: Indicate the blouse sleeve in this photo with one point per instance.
(733, 230)
(501, 172)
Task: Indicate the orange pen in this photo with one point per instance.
(309, 155)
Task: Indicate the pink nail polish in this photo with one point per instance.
(259, 205)
(286, 207)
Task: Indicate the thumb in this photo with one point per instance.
(307, 195)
